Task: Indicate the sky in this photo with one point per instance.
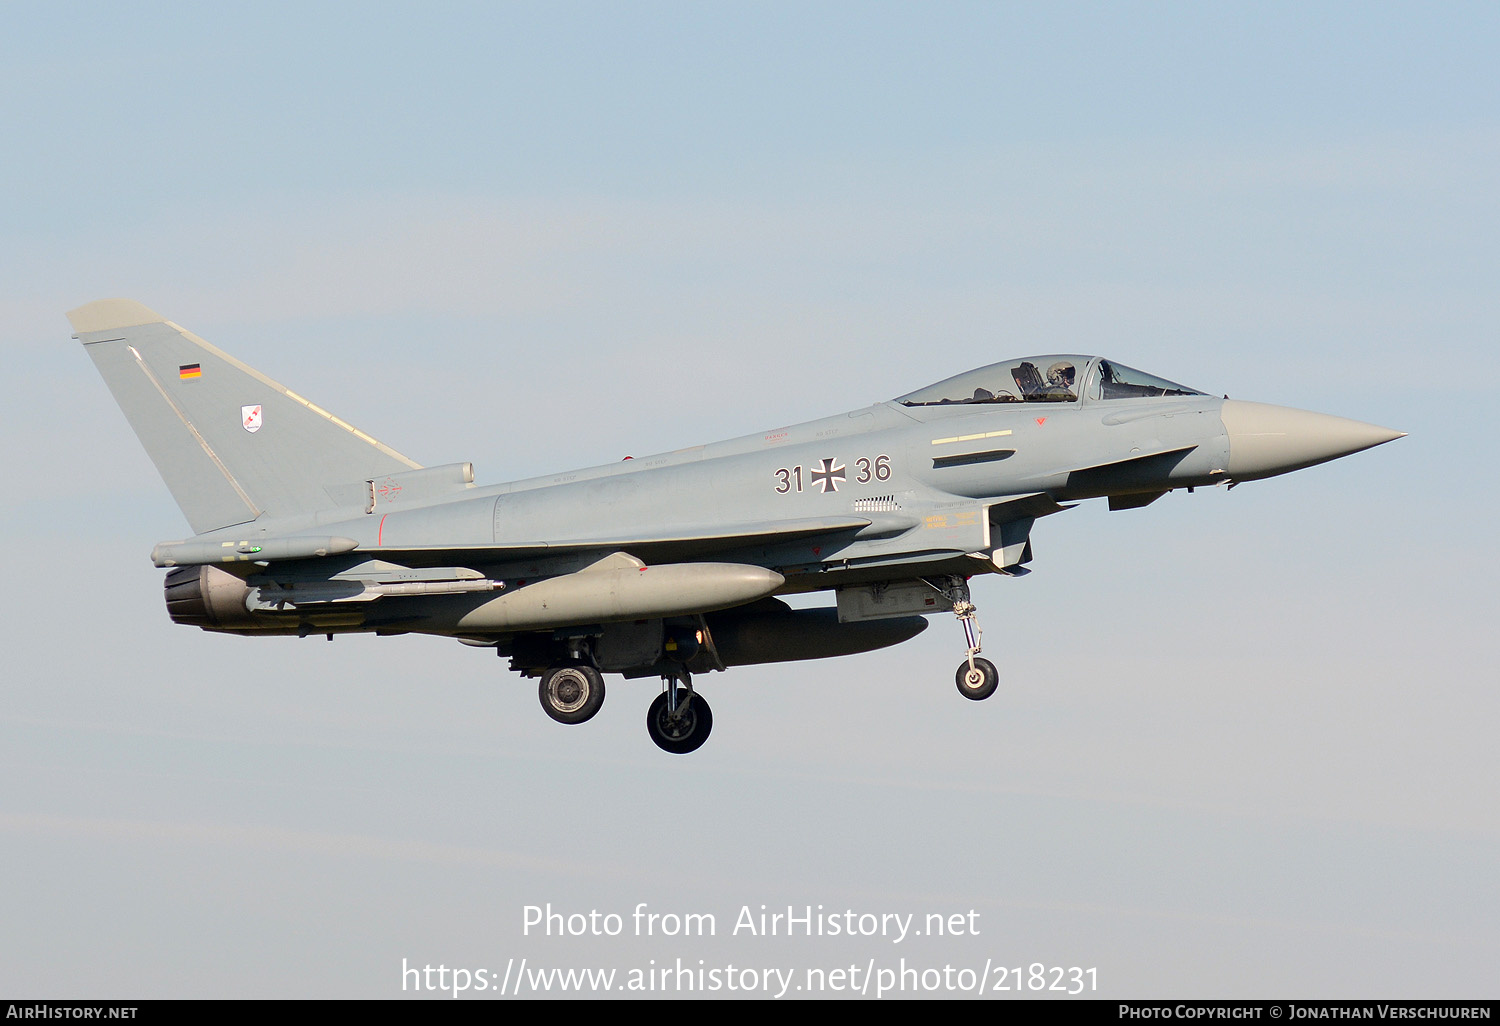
(1243, 744)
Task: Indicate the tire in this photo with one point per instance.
(685, 735)
(571, 694)
(979, 683)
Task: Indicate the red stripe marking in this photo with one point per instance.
(380, 531)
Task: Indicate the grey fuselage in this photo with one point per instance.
(924, 478)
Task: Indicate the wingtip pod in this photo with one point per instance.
(195, 553)
(110, 314)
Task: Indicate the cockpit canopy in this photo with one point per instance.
(1045, 379)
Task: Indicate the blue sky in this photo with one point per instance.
(545, 236)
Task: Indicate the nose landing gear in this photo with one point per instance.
(977, 678)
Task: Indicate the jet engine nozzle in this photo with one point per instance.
(207, 597)
(1267, 440)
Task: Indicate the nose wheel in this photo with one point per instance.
(977, 678)
(679, 720)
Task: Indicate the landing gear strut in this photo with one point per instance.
(571, 694)
(679, 720)
(977, 678)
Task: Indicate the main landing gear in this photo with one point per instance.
(977, 678)
(572, 687)
(679, 720)
(571, 694)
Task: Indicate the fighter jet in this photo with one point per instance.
(667, 566)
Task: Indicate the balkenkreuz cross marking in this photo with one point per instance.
(828, 475)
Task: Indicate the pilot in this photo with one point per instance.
(1060, 378)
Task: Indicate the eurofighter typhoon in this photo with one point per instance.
(666, 566)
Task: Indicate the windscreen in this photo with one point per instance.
(1116, 381)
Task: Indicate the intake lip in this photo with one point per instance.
(1267, 440)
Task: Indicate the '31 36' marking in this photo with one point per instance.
(830, 473)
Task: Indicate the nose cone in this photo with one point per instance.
(1268, 440)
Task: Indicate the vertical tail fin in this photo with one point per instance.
(231, 444)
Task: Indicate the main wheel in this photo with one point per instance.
(978, 683)
(684, 734)
(571, 694)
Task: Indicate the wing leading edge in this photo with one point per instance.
(679, 542)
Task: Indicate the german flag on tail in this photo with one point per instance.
(190, 370)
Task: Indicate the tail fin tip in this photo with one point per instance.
(110, 314)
